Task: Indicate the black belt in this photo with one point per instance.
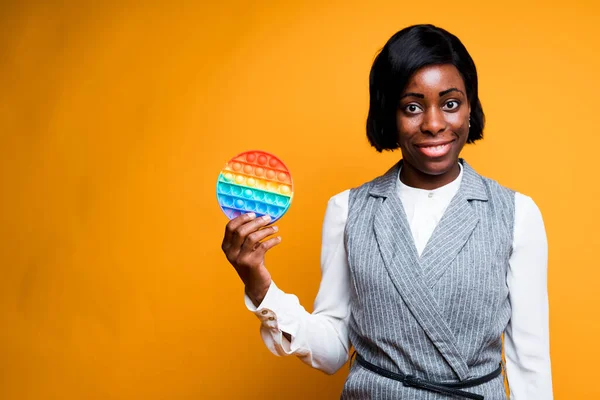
(443, 388)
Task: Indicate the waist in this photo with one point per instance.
(451, 389)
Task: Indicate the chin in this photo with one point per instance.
(433, 167)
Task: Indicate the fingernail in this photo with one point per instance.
(251, 215)
(279, 238)
(275, 229)
(266, 217)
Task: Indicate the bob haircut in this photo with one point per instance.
(407, 51)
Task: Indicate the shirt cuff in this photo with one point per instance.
(264, 311)
(277, 313)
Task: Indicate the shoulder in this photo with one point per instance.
(493, 187)
(526, 210)
(529, 226)
(336, 214)
(488, 189)
(379, 186)
(520, 208)
(523, 203)
(339, 201)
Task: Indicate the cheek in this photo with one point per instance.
(459, 123)
(406, 127)
(458, 120)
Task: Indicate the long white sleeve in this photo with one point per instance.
(527, 343)
(319, 339)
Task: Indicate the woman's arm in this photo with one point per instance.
(319, 339)
(527, 338)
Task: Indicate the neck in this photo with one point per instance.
(413, 177)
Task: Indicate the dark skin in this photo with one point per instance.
(245, 246)
(433, 127)
(433, 109)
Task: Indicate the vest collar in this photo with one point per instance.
(471, 187)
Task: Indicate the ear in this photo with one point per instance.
(469, 109)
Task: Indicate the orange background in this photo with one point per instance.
(116, 119)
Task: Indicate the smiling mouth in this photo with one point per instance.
(435, 150)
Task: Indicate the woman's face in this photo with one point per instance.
(433, 119)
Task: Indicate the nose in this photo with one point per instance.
(433, 121)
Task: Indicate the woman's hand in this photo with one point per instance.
(243, 247)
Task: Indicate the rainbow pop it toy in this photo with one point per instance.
(255, 181)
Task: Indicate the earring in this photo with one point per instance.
(469, 121)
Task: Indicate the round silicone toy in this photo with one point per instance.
(255, 181)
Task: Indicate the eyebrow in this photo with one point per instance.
(421, 96)
(411, 94)
(445, 92)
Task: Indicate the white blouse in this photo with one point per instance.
(320, 338)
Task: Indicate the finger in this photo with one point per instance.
(266, 246)
(235, 223)
(253, 239)
(254, 259)
(239, 235)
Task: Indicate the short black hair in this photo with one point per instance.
(405, 52)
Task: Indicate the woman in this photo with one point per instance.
(425, 267)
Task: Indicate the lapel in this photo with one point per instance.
(455, 227)
(402, 262)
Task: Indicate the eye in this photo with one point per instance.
(451, 105)
(412, 109)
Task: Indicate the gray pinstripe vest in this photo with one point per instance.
(439, 316)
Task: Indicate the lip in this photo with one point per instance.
(434, 144)
(435, 150)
